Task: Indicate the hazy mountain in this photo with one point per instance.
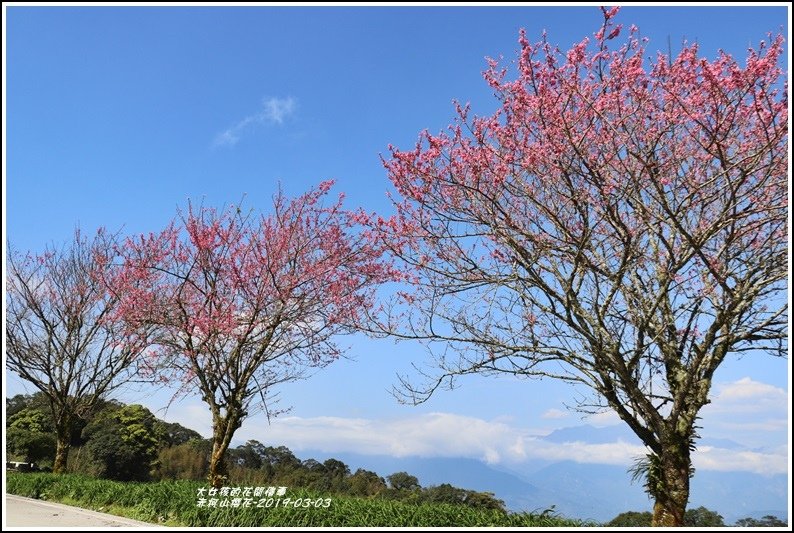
(588, 491)
(739, 494)
(603, 491)
(517, 493)
(593, 435)
(461, 472)
(605, 435)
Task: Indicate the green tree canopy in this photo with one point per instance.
(702, 517)
(30, 437)
(765, 521)
(123, 443)
(403, 481)
(366, 483)
(699, 517)
(631, 519)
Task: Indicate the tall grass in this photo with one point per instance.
(174, 503)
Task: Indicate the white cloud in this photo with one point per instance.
(742, 410)
(708, 458)
(612, 453)
(449, 435)
(195, 416)
(228, 137)
(746, 395)
(604, 419)
(274, 111)
(747, 411)
(429, 435)
(277, 109)
(554, 414)
(743, 426)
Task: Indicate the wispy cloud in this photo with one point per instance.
(554, 414)
(273, 111)
(277, 109)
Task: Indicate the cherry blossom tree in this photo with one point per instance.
(243, 303)
(62, 331)
(618, 223)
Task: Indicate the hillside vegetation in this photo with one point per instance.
(175, 503)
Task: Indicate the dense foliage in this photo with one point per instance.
(764, 521)
(698, 517)
(174, 503)
(129, 443)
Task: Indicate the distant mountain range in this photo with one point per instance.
(608, 434)
(579, 490)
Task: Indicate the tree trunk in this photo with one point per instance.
(218, 472)
(223, 428)
(62, 446)
(672, 483)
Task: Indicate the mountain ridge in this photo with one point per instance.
(578, 490)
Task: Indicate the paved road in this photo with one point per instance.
(27, 512)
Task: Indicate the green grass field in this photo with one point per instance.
(174, 503)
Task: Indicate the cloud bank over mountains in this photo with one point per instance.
(743, 407)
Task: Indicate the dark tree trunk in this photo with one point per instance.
(65, 423)
(672, 483)
(63, 443)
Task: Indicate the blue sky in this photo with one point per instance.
(117, 116)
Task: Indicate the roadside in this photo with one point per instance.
(27, 512)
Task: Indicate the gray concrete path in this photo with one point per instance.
(27, 512)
